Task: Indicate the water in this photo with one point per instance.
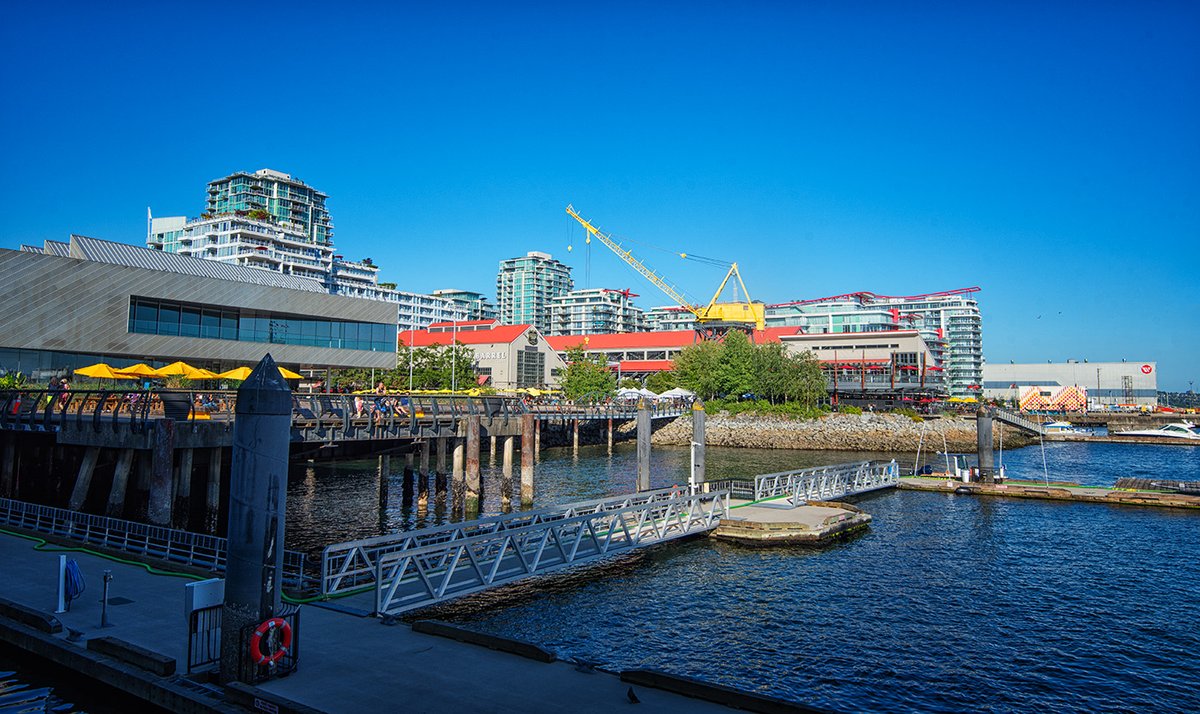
(29, 685)
(948, 603)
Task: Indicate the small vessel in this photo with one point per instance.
(1180, 430)
(1063, 427)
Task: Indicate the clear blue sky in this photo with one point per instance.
(1046, 152)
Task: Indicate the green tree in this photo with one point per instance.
(735, 366)
(660, 382)
(696, 369)
(630, 383)
(587, 376)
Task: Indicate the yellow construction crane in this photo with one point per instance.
(712, 319)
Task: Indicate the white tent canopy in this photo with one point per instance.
(677, 393)
(628, 393)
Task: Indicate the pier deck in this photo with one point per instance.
(1053, 491)
(347, 663)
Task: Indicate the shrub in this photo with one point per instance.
(847, 409)
(910, 413)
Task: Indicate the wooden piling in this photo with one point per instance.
(472, 491)
(7, 470)
(575, 437)
(181, 505)
(610, 435)
(83, 481)
(506, 471)
(116, 495)
(528, 446)
(212, 496)
(643, 446)
(537, 440)
(162, 475)
(458, 485)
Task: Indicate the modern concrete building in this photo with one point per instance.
(476, 305)
(288, 202)
(595, 311)
(894, 366)
(526, 285)
(669, 318)
(949, 322)
(67, 305)
(506, 356)
(1107, 383)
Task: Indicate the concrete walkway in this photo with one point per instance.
(347, 663)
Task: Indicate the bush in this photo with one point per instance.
(791, 410)
(910, 413)
(848, 409)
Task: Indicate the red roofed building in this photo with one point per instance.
(506, 356)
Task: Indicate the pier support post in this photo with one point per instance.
(643, 446)
(528, 441)
(537, 440)
(492, 448)
(162, 474)
(442, 444)
(472, 500)
(83, 481)
(983, 444)
(697, 475)
(212, 498)
(408, 464)
(116, 495)
(7, 461)
(575, 437)
(180, 509)
(384, 469)
(610, 436)
(257, 504)
(506, 472)
(457, 479)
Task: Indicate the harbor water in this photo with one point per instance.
(949, 603)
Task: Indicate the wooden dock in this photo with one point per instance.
(1053, 492)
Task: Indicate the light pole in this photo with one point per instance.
(454, 357)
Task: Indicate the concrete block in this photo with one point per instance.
(258, 700)
(38, 620)
(501, 644)
(130, 653)
(716, 693)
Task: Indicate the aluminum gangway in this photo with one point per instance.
(1018, 421)
(819, 483)
(422, 568)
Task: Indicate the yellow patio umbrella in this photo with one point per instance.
(199, 373)
(175, 368)
(100, 371)
(138, 370)
(238, 373)
(970, 400)
(289, 374)
(956, 400)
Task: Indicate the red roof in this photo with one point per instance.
(503, 334)
(646, 365)
(464, 323)
(651, 340)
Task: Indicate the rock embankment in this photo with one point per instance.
(834, 432)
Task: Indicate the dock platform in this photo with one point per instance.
(1053, 491)
(777, 522)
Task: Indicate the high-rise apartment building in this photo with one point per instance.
(669, 318)
(526, 285)
(289, 202)
(477, 305)
(949, 322)
(595, 311)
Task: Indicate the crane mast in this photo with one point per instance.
(714, 318)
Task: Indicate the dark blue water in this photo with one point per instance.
(949, 603)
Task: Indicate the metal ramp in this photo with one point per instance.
(421, 568)
(1018, 421)
(820, 483)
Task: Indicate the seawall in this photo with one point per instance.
(835, 432)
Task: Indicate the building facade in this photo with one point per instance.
(669, 318)
(595, 311)
(288, 202)
(66, 305)
(477, 306)
(526, 285)
(1108, 384)
(949, 322)
(890, 367)
(506, 356)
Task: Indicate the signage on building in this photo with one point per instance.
(1147, 369)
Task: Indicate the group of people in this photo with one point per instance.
(381, 404)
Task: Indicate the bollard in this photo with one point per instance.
(257, 504)
(108, 576)
(643, 446)
(697, 475)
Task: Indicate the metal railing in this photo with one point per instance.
(183, 547)
(824, 483)
(613, 410)
(427, 575)
(1018, 421)
(352, 565)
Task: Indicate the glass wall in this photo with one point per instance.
(163, 317)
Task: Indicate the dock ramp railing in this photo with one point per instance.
(821, 483)
(352, 565)
(427, 575)
(1018, 421)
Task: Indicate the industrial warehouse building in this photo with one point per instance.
(67, 305)
(1106, 384)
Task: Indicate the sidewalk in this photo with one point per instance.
(347, 663)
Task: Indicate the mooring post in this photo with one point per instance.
(697, 446)
(116, 495)
(643, 446)
(506, 472)
(537, 440)
(83, 481)
(528, 439)
(472, 499)
(180, 509)
(983, 444)
(610, 435)
(575, 437)
(212, 498)
(257, 504)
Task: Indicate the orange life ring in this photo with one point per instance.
(285, 635)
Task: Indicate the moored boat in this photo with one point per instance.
(1179, 430)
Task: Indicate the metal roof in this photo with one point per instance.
(103, 251)
(55, 247)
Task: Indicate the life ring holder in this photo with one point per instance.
(285, 643)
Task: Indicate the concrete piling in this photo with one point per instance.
(180, 508)
(443, 444)
(492, 448)
(575, 437)
(983, 444)
(697, 475)
(537, 440)
(120, 483)
(212, 496)
(506, 471)
(528, 446)
(610, 435)
(458, 485)
(257, 504)
(7, 470)
(83, 481)
(643, 446)
(472, 446)
(162, 475)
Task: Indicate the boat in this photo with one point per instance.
(1179, 430)
(1063, 427)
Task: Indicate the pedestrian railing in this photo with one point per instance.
(352, 565)
(609, 410)
(430, 574)
(1018, 421)
(183, 547)
(824, 483)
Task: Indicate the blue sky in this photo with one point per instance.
(1046, 152)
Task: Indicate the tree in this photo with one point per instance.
(587, 376)
(696, 368)
(660, 382)
(737, 367)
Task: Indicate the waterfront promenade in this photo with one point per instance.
(348, 663)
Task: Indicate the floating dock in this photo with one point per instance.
(1053, 491)
(777, 522)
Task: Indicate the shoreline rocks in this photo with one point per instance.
(835, 432)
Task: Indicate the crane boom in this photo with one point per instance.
(638, 265)
(715, 315)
